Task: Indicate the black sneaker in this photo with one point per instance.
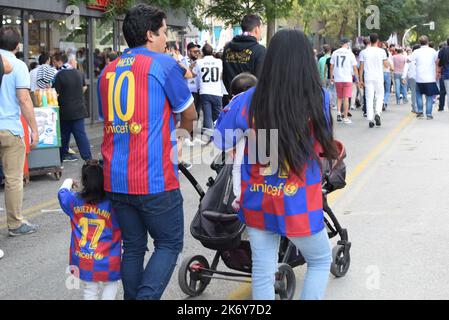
(371, 124)
(364, 115)
(70, 158)
(377, 120)
(420, 115)
(339, 119)
(349, 115)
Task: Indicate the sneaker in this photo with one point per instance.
(71, 151)
(440, 110)
(349, 115)
(188, 143)
(199, 141)
(70, 158)
(25, 228)
(2, 254)
(384, 107)
(334, 107)
(429, 117)
(339, 119)
(377, 120)
(347, 121)
(364, 115)
(420, 115)
(371, 124)
(186, 165)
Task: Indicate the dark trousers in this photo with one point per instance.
(442, 94)
(161, 217)
(75, 127)
(212, 106)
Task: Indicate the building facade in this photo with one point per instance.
(55, 25)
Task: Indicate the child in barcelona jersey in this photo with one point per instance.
(95, 248)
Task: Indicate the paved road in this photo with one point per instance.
(394, 208)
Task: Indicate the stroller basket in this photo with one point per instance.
(215, 224)
(334, 171)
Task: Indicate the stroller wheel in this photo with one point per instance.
(191, 275)
(285, 284)
(340, 261)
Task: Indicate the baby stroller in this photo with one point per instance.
(218, 228)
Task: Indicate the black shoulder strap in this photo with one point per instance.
(2, 70)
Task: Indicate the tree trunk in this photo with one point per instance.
(271, 29)
(344, 24)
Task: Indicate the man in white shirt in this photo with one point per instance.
(209, 70)
(372, 62)
(426, 59)
(343, 66)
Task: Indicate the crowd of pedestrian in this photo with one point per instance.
(365, 77)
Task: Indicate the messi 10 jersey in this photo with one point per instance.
(138, 96)
(95, 247)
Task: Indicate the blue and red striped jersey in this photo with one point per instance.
(95, 246)
(138, 96)
(280, 202)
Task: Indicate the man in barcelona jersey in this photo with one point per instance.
(139, 96)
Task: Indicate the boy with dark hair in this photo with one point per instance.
(244, 53)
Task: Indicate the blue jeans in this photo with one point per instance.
(212, 106)
(400, 88)
(77, 128)
(161, 216)
(265, 247)
(387, 85)
(419, 102)
(332, 92)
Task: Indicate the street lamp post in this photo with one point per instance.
(431, 25)
(405, 34)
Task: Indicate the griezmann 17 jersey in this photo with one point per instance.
(139, 94)
(95, 246)
(280, 202)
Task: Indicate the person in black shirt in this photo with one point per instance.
(244, 53)
(70, 86)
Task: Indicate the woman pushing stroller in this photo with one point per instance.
(287, 200)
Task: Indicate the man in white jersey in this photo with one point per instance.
(426, 59)
(343, 66)
(372, 62)
(209, 70)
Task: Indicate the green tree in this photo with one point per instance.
(231, 12)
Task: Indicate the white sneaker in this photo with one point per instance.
(347, 121)
(199, 141)
(1, 254)
(188, 143)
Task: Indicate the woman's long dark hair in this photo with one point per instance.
(92, 179)
(289, 98)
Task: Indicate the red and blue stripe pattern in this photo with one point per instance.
(138, 112)
(95, 247)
